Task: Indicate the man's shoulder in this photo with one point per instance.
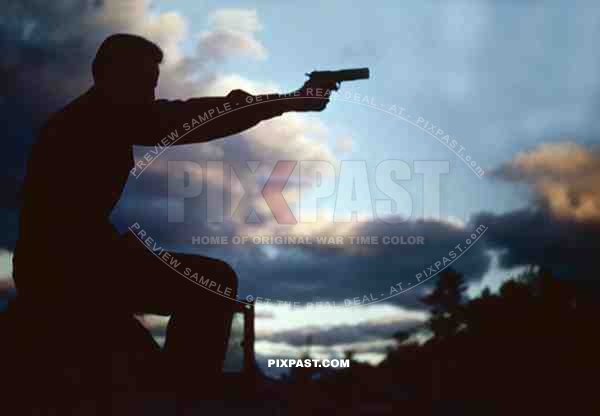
(76, 112)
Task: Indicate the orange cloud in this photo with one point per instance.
(564, 177)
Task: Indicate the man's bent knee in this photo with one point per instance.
(216, 276)
(227, 277)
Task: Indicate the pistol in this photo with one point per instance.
(341, 75)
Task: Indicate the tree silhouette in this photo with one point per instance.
(526, 348)
(446, 304)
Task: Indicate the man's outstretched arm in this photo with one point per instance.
(204, 119)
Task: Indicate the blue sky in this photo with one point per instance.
(515, 83)
(497, 76)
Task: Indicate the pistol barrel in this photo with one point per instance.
(341, 75)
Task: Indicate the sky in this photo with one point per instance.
(514, 84)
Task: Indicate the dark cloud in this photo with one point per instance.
(561, 229)
(342, 334)
(533, 236)
(313, 273)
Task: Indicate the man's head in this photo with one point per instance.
(126, 68)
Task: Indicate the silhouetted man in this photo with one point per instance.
(70, 257)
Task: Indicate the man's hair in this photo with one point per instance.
(124, 50)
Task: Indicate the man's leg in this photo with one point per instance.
(201, 312)
(199, 328)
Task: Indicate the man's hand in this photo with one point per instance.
(313, 96)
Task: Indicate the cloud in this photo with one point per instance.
(245, 20)
(232, 34)
(343, 144)
(343, 334)
(561, 228)
(309, 271)
(563, 176)
(331, 332)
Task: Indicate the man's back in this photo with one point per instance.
(75, 175)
